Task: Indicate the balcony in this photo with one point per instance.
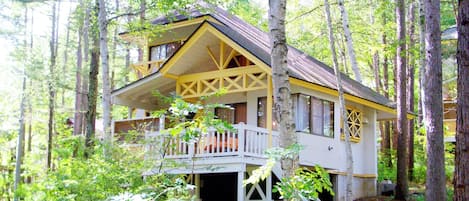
(244, 141)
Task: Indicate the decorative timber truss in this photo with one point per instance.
(234, 73)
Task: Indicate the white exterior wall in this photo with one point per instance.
(328, 152)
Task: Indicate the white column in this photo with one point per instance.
(240, 191)
(268, 187)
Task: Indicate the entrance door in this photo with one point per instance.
(240, 113)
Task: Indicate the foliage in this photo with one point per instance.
(305, 184)
(192, 119)
(99, 178)
(385, 172)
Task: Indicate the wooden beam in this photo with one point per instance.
(230, 56)
(240, 49)
(221, 73)
(222, 54)
(269, 107)
(213, 58)
(171, 76)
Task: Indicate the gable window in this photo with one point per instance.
(313, 115)
(354, 124)
(163, 51)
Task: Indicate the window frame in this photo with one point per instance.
(311, 115)
(354, 137)
(166, 47)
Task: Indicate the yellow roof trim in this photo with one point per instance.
(348, 97)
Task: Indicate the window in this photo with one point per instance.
(354, 124)
(160, 52)
(313, 115)
(234, 115)
(262, 114)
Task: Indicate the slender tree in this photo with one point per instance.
(348, 39)
(92, 88)
(387, 124)
(52, 65)
(343, 112)
(103, 47)
(78, 117)
(281, 84)
(65, 56)
(461, 178)
(86, 57)
(401, 184)
(435, 179)
(410, 89)
(21, 130)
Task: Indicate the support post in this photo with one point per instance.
(197, 184)
(240, 186)
(269, 109)
(161, 122)
(268, 187)
(242, 139)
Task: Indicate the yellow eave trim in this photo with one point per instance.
(348, 97)
(371, 176)
(199, 33)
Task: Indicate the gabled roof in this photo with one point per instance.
(301, 65)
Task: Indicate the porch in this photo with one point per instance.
(210, 152)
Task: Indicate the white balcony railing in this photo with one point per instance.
(245, 140)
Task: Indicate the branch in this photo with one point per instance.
(306, 13)
(124, 15)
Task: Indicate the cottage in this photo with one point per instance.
(204, 51)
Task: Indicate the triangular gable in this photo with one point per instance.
(207, 28)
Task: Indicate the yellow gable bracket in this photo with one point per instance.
(207, 28)
(348, 97)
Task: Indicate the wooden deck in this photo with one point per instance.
(230, 151)
(212, 152)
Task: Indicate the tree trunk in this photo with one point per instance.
(53, 56)
(387, 124)
(343, 113)
(376, 71)
(21, 130)
(348, 39)
(92, 92)
(422, 61)
(281, 84)
(65, 64)
(142, 20)
(433, 104)
(410, 90)
(401, 185)
(106, 101)
(85, 70)
(77, 126)
(461, 178)
(20, 144)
